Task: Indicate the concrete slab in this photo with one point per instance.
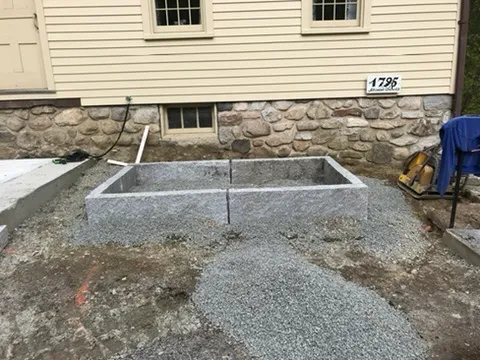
(3, 236)
(465, 242)
(11, 169)
(33, 184)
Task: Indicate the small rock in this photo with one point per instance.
(349, 154)
(282, 105)
(386, 103)
(284, 151)
(225, 106)
(282, 138)
(225, 135)
(28, 140)
(15, 124)
(55, 136)
(296, 112)
(334, 104)
(386, 125)
(6, 136)
(400, 154)
(303, 136)
(317, 150)
(412, 114)
(22, 114)
(321, 136)
(117, 113)
(307, 125)
(368, 135)
(98, 113)
(300, 145)
(258, 142)
(146, 115)
(110, 127)
(383, 135)
(241, 106)
(360, 146)
(70, 117)
(39, 123)
(404, 141)
(257, 105)
(229, 118)
(410, 103)
(45, 109)
(242, 146)
(283, 125)
(372, 113)
(332, 124)
(347, 112)
(340, 143)
(356, 122)
(423, 128)
(389, 115)
(366, 102)
(437, 102)
(88, 127)
(255, 128)
(381, 153)
(270, 114)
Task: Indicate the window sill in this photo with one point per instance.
(189, 136)
(334, 30)
(177, 35)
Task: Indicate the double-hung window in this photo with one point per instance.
(335, 16)
(169, 19)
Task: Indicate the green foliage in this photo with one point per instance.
(471, 98)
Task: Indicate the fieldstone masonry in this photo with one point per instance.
(375, 130)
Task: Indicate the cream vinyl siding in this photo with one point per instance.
(99, 54)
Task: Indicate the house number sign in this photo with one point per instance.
(384, 83)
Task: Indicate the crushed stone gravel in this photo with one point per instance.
(392, 232)
(282, 307)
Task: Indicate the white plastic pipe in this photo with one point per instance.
(142, 145)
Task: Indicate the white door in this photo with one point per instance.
(21, 64)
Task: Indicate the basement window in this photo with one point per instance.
(335, 16)
(170, 19)
(188, 120)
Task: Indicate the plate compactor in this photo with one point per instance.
(420, 175)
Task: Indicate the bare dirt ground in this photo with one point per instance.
(60, 301)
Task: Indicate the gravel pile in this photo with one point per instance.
(392, 230)
(282, 307)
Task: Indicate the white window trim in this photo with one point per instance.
(153, 32)
(190, 132)
(361, 25)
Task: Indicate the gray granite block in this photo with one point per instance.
(3, 236)
(300, 202)
(167, 208)
(214, 172)
(465, 242)
(263, 171)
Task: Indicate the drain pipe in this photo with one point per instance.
(462, 53)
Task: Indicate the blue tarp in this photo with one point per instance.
(459, 134)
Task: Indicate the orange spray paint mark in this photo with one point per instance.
(8, 251)
(82, 290)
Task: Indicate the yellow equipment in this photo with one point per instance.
(420, 175)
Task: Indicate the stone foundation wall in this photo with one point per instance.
(376, 130)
